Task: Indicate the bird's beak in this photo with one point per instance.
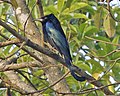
(40, 19)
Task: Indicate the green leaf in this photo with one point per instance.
(97, 18)
(68, 3)
(73, 28)
(2, 53)
(118, 28)
(14, 50)
(75, 6)
(46, 95)
(103, 44)
(76, 40)
(79, 15)
(89, 9)
(60, 5)
(6, 51)
(96, 67)
(81, 30)
(84, 66)
(72, 82)
(109, 48)
(101, 53)
(5, 8)
(115, 41)
(65, 16)
(103, 47)
(102, 38)
(51, 9)
(1, 7)
(109, 25)
(82, 27)
(116, 55)
(116, 71)
(90, 30)
(35, 13)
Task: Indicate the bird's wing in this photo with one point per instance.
(57, 25)
(57, 40)
(53, 44)
(45, 34)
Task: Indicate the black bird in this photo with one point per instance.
(54, 35)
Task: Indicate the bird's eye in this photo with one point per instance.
(45, 18)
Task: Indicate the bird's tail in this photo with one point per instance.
(68, 63)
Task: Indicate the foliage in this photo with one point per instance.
(93, 35)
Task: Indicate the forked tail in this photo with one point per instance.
(68, 63)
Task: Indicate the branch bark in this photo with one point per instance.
(5, 67)
(6, 43)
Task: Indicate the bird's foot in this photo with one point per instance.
(47, 45)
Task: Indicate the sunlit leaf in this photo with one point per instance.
(7, 49)
(109, 25)
(60, 5)
(115, 41)
(96, 67)
(96, 75)
(97, 18)
(102, 39)
(75, 6)
(103, 47)
(79, 15)
(111, 88)
(73, 28)
(116, 71)
(68, 3)
(90, 30)
(14, 49)
(116, 55)
(65, 16)
(1, 9)
(51, 9)
(84, 66)
(76, 40)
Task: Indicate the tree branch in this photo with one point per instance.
(6, 43)
(5, 67)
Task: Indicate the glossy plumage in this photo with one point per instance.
(54, 35)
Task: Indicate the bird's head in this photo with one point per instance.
(45, 18)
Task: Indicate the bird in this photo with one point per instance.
(54, 35)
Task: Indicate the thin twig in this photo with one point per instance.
(102, 41)
(27, 79)
(44, 89)
(6, 43)
(89, 90)
(109, 68)
(109, 10)
(26, 50)
(28, 17)
(38, 77)
(16, 50)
